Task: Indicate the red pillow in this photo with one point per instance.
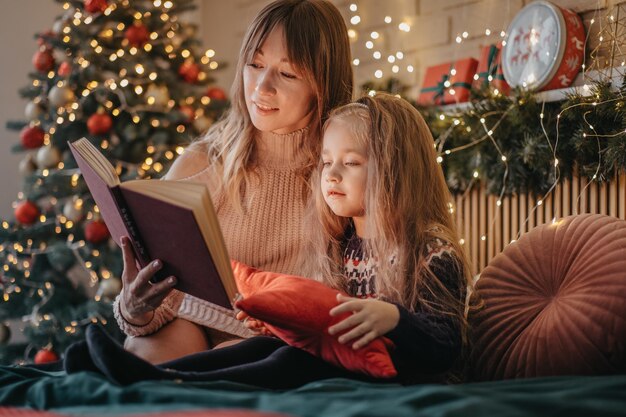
(297, 310)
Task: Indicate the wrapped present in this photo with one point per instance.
(448, 83)
(489, 72)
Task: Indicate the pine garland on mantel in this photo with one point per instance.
(515, 144)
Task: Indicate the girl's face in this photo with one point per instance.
(278, 98)
(344, 171)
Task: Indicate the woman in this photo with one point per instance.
(294, 67)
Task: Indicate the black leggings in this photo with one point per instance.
(261, 361)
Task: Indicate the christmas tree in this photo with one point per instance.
(130, 76)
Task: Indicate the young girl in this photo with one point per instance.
(294, 67)
(384, 235)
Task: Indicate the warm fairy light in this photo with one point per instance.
(391, 59)
(138, 89)
(377, 55)
(213, 65)
(387, 19)
(180, 150)
(405, 27)
(168, 4)
(355, 20)
(409, 68)
(439, 159)
(395, 69)
(369, 44)
(459, 39)
(475, 174)
(356, 61)
(353, 7)
(185, 53)
(139, 69)
(374, 35)
(487, 32)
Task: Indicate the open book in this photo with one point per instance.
(173, 221)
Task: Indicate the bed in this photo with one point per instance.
(91, 394)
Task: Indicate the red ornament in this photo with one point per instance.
(216, 93)
(26, 212)
(95, 6)
(96, 231)
(189, 112)
(137, 35)
(32, 137)
(46, 356)
(65, 69)
(43, 60)
(99, 123)
(189, 71)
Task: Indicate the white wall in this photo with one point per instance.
(19, 21)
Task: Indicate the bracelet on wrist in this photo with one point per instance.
(134, 324)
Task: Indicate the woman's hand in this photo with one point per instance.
(140, 297)
(371, 318)
(253, 324)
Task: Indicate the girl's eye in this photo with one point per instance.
(288, 75)
(352, 163)
(326, 163)
(254, 65)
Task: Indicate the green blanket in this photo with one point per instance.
(91, 394)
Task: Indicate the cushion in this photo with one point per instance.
(297, 309)
(554, 302)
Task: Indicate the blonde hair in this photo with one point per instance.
(406, 206)
(317, 44)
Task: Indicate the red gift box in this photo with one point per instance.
(448, 83)
(489, 72)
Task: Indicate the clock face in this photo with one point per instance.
(534, 46)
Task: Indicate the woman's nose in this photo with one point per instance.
(266, 84)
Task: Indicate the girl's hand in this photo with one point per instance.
(371, 318)
(253, 324)
(140, 297)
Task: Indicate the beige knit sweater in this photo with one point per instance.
(268, 234)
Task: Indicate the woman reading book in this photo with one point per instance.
(294, 68)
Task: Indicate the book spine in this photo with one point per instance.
(141, 252)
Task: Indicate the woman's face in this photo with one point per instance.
(278, 98)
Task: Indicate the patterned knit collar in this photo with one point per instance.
(287, 150)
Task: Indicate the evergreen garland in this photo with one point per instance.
(468, 154)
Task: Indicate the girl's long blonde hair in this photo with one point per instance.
(317, 44)
(406, 206)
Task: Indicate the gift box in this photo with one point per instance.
(489, 72)
(448, 83)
